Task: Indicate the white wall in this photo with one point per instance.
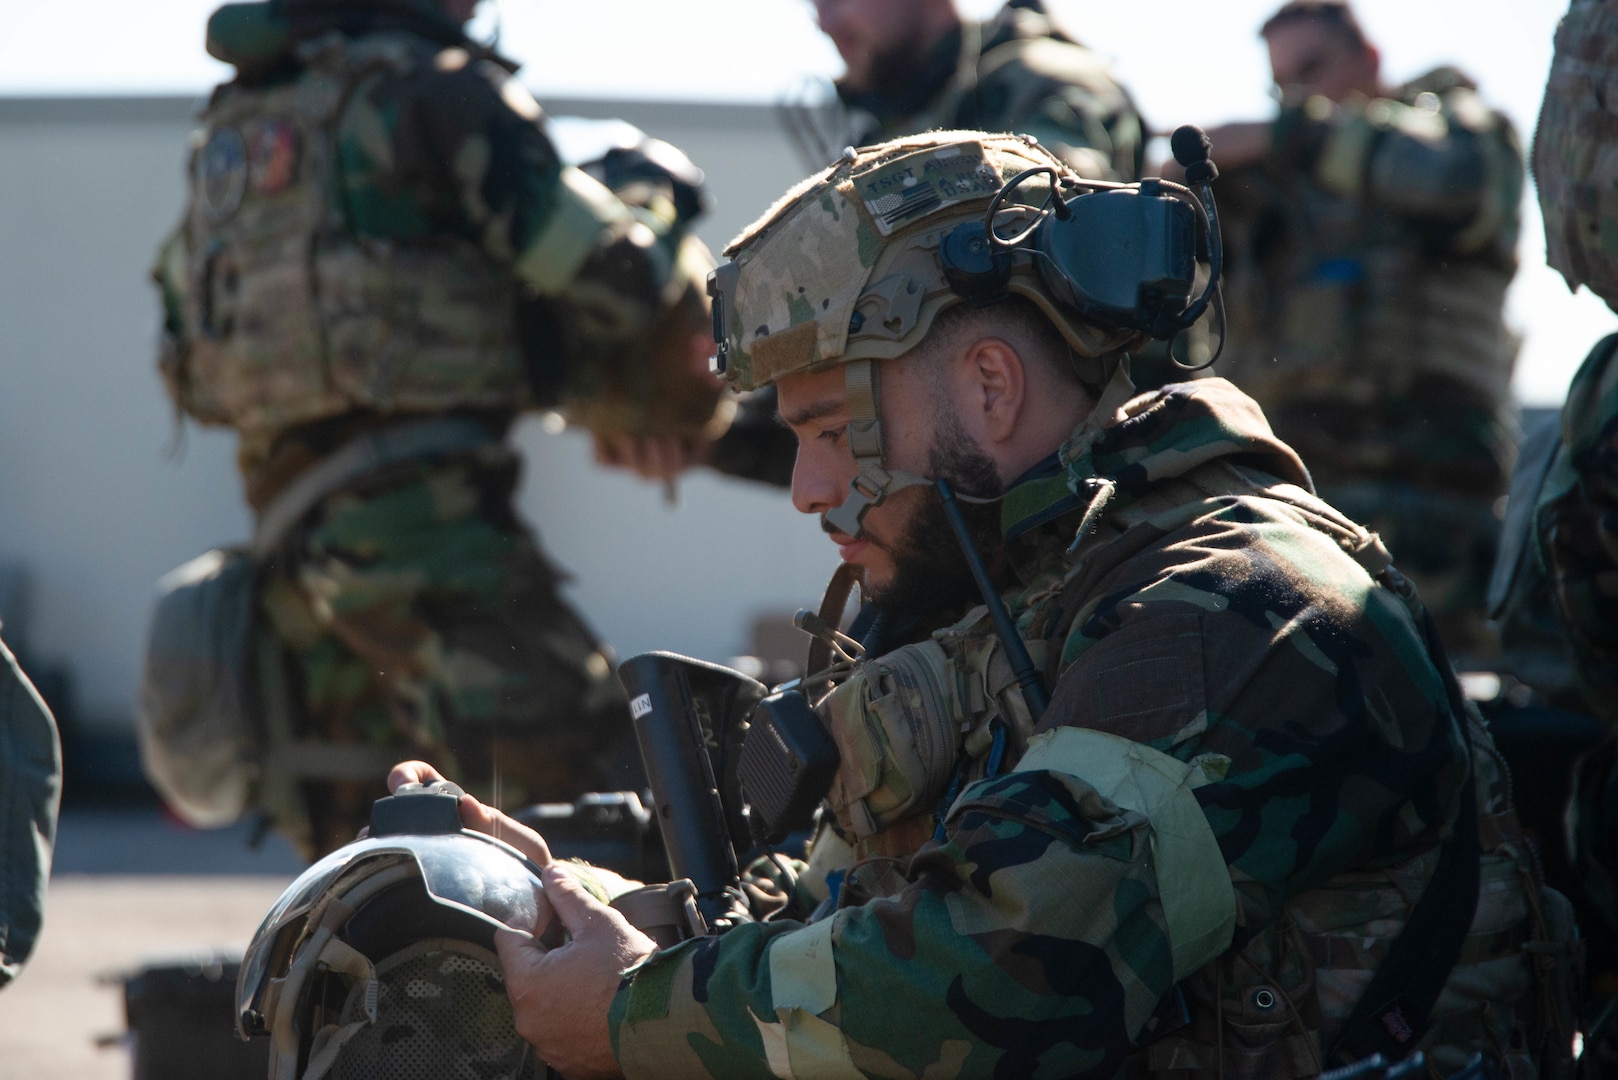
(95, 507)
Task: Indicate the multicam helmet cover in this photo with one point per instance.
(846, 266)
(1576, 153)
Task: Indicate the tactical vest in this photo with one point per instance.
(289, 316)
(1349, 312)
(1271, 1008)
(1370, 315)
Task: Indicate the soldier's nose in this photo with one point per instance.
(815, 488)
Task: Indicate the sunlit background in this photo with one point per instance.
(99, 494)
(90, 175)
(654, 61)
(1185, 62)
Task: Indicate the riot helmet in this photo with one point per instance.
(379, 960)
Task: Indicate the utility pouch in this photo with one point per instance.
(897, 724)
(199, 740)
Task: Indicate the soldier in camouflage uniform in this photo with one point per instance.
(1193, 863)
(1370, 235)
(1561, 547)
(383, 262)
(915, 65)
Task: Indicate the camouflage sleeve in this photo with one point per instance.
(1578, 524)
(990, 976)
(460, 148)
(1446, 162)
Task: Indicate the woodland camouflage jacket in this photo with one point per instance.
(1216, 632)
(1017, 72)
(1367, 260)
(378, 223)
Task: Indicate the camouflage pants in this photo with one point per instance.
(414, 612)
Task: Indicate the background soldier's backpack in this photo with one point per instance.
(199, 742)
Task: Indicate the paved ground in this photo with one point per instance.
(129, 888)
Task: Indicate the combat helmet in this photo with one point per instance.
(854, 265)
(1575, 159)
(379, 959)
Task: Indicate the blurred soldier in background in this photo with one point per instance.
(916, 65)
(1559, 553)
(30, 791)
(1370, 234)
(912, 66)
(382, 263)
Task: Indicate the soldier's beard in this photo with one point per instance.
(931, 574)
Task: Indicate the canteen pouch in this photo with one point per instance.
(199, 740)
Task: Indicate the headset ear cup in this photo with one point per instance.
(974, 269)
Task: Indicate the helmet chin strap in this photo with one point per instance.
(873, 484)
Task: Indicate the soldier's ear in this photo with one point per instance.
(996, 379)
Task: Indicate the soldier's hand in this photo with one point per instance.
(475, 815)
(412, 772)
(651, 457)
(561, 997)
(1232, 146)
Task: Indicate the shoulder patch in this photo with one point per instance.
(272, 156)
(221, 178)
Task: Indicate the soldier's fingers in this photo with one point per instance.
(520, 954)
(572, 902)
(549, 932)
(486, 819)
(662, 459)
(412, 772)
(609, 449)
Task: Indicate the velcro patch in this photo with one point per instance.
(914, 186)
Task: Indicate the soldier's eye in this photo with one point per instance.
(832, 435)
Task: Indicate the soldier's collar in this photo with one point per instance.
(1163, 435)
(1053, 487)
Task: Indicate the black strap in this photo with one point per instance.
(1395, 1010)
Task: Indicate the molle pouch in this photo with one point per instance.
(989, 689)
(199, 744)
(898, 726)
(1317, 325)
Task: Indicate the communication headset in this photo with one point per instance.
(1123, 256)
